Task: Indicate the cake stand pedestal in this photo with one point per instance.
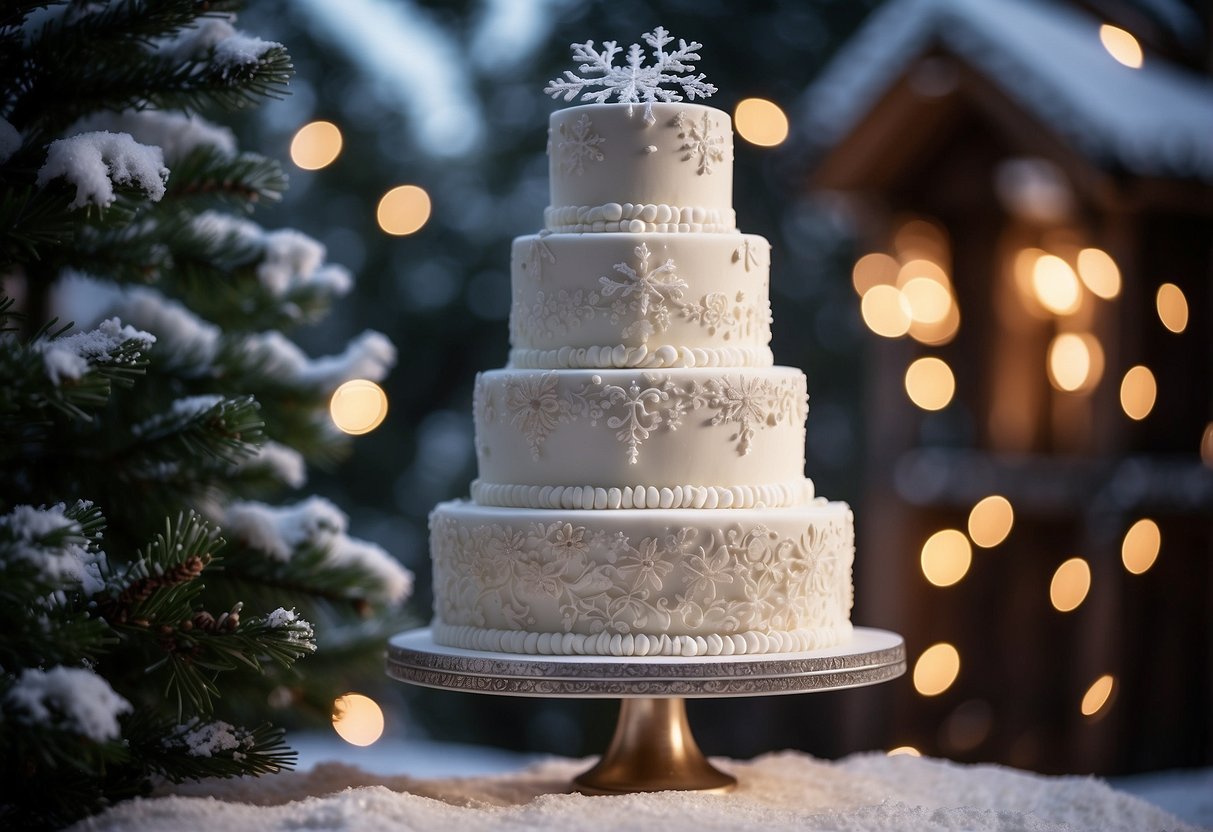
(653, 749)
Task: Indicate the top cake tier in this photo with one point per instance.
(610, 170)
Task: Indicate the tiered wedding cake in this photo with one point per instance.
(641, 461)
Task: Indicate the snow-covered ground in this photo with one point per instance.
(417, 784)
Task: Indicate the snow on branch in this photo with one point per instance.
(183, 337)
(215, 37)
(291, 260)
(634, 82)
(54, 544)
(73, 698)
(315, 523)
(176, 134)
(71, 356)
(279, 461)
(95, 162)
(368, 356)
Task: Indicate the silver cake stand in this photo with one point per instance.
(653, 749)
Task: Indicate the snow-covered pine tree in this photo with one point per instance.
(148, 593)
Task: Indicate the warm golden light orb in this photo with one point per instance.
(936, 669)
(930, 383)
(884, 311)
(316, 145)
(903, 751)
(990, 521)
(1121, 45)
(358, 406)
(760, 122)
(1055, 285)
(403, 210)
(1075, 362)
(1070, 585)
(929, 300)
(1099, 272)
(1098, 695)
(946, 557)
(1138, 390)
(357, 719)
(1140, 547)
(873, 269)
(1172, 307)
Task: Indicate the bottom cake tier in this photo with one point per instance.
(677, 582)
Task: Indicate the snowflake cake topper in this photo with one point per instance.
(635, 82)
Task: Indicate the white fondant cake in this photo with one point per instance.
(641, 485)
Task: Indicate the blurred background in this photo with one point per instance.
(992, 224)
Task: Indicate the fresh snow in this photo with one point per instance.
(71, 355)
(206, 739)
(67, 565)
(73, 698)
(183, 336)
(782, 791)
(280, 531)
(282, 462)
(368, 356)
(215, 36)
(300, 629)
(10, 140)
(95, 162)
(177, 134)
(1156, 120)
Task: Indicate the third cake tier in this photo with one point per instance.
(627, 439)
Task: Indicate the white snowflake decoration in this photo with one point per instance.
(578, 145)
(699, 142)
(635, 82)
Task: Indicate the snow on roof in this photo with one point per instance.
(1156, 120)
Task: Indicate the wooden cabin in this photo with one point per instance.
(1033, 188)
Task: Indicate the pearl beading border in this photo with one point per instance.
(638, 218)
(625, 357)
(774, 495)
(614, 644)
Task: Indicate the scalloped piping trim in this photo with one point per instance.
(637, 218)
(642, 357)
(614, 644)
(776, 495)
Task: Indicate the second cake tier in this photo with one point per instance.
(623, 439)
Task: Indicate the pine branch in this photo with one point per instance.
(208, 178)
(225, 429)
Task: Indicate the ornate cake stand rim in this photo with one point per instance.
(877, 656)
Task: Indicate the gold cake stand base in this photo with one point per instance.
(653, 748)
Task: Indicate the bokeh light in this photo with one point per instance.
(760, 122)
(316, 145)
(1098, 696)
(1172, 307)
(904, 751)
(921, 239)
(358, 406)
(930, 383)
(1075, 362)
(884, 311)
(929, 300)
(403, 210)
(936, 669)
(873, 269)
(1138, 391)
(1055, 285)
(1099, 272)
(1070, 585)
(1121, 45)
(1141, 545)
(357, 719)
(946, 557)
(990, 521)
(1206, 445)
